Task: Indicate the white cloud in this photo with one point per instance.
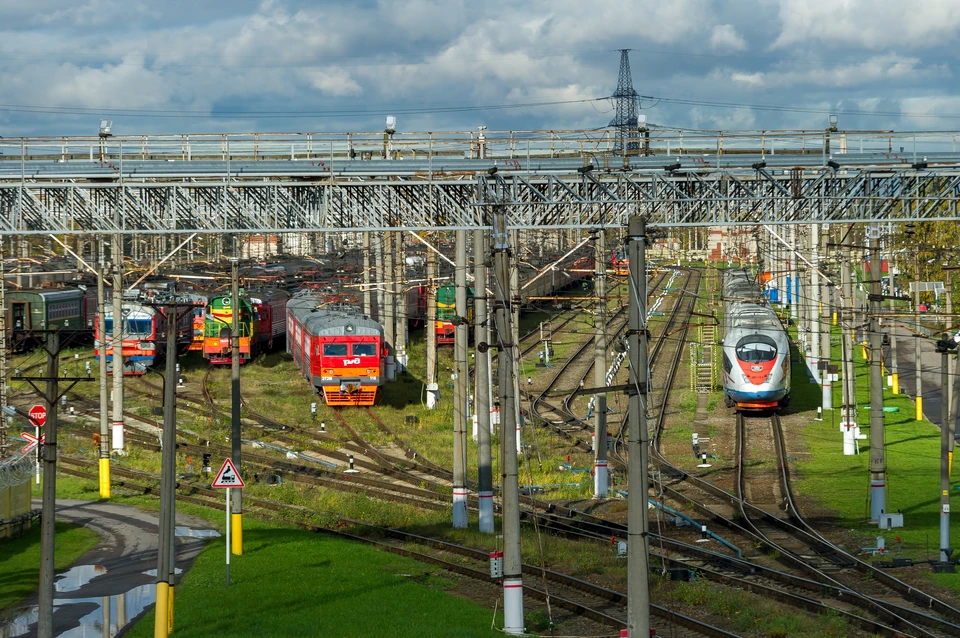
(726, 38)
(870, 24)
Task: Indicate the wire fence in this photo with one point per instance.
(16, 469)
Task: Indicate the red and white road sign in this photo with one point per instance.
(228, 476)
(31, 441)
(38, 414)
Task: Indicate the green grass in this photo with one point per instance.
(296, 583)
(841, 483)
(20, 559)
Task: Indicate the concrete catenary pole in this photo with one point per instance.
(104, 404)
(918, 343)
(894, 366)
(515, 327)
(236, 504)
(399, 278)
(943, 346)
(951, 371)
(878, 490)
(600, 483)
(481, 335)
(460, 386)
(638, 438)
(380, 294)
(367, 307)
(794, 274)
(430, 329)
(846, 358)
(168, 481)
(389, 306)
(49, 453)
(117, 344)
(512, 560)
(825, 315)
(814, 306)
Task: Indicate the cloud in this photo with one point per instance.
(868, 24)
(726, 38)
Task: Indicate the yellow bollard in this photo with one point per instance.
(834, 318)
(949, 464)
(896, 383)
(864, 350)
(236, 543)
(919, 408)
(160, 619)
(105, 478)
(170, 609)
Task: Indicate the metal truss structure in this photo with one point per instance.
(546, 181)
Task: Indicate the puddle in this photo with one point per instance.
(120, 608)
(195, 533)
(76, 577)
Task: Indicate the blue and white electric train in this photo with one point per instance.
(756, 348)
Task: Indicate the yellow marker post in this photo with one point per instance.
(919, 408)
(834, 318)
(237, 541)
(105, 478)
(170, 609)
(949, 464)
(160, 624)
(896, 383)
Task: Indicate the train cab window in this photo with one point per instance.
(139, 326)
(756, 349)
(727, 365)
(334, 349)
(364, 349)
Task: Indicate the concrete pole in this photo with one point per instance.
(236, 505)
(512, 560)
(4, 441)
(825, 316)
(814, 306)
(515, 327)
(794, 275)
(894, 366)
(389, 304)
(367, 308)
(49, 453)
(638, 438)
(117, 345)
(430, 330)
(945, 417)
(918, 368)
(460, 386)
(849, 388)
(878, 490)
(104, 405)
(951, 368)
(600, 481)
(481, 335)
(380, 289)
(168, 482)
(399, 278)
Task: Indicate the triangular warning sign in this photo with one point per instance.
(228, 476)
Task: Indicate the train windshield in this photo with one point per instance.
(138, 326)
(334, 349)
(756, 349)
(364, 349)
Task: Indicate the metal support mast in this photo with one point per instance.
(826, 289)
(638, 438)
(367, 308)
(625, 97)
(49, 453)
(168, 481)
(104, 405)
(389, 304)
(399, 278)
(944, 347)
(433, 388)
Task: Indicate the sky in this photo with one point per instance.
(219, 66)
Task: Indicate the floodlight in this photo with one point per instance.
(106, 127)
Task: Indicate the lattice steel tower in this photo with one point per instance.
(626, 100)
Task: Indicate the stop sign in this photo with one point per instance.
(38, 414)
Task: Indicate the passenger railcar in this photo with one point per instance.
(756, 348)
(339, 350)
(64, 309)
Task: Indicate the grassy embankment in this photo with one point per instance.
(20, 559)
